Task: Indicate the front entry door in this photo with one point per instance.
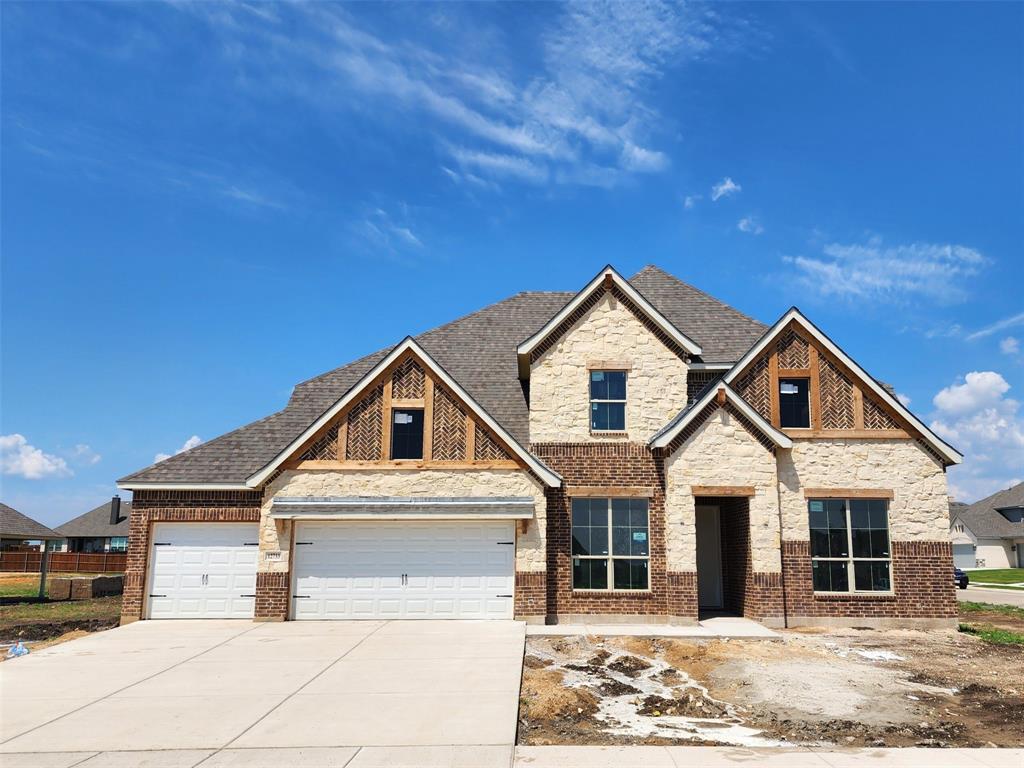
(709, 558)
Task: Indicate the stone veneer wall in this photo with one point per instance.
(672, 591)
(919, 510)
(722, 452)
(275, 535)
(560, 381)
(150, 507)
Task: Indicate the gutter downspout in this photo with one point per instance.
(782, 553)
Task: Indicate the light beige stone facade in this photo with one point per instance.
(919, 510)
(721, 452)
(560, 381)
(275, 535)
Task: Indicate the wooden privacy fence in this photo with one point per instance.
(63, 562)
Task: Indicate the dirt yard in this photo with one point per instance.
(852, 688)
(24, 618)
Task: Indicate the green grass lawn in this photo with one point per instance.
(997, 576)
(27, 584)
(1012, 611)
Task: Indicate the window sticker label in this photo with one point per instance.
(639, 535)
(786, 388)
(597, 376)
(817, 506)
(403, 418)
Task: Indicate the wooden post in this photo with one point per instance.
(43, 562)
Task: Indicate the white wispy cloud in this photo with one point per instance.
(576, 110)
(750, 225)
(1010, 345)
(874, 270)
(1000, 325)
(691, 200)
(387, 233)
(725, 188)
(976, 416)
(189, 444)
(905, 399)
(84, 454)
(250, 197)
(18, 457)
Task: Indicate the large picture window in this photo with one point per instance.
(608, 401)
(610, 544)
(850, 545)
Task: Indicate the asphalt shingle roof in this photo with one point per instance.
(985, 521)
(96, 523)
(14, 525)
(478, 351)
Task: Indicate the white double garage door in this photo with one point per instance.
(351, 570)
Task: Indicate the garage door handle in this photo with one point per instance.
(300, 595)
(158, 595)
(509, 543)
(303, 543)
(247, 595)
(503, 595)
(161, 543)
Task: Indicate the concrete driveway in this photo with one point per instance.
(221, 693)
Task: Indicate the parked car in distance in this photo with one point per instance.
(960, 578)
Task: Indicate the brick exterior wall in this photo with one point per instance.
(922, 585)
(272, 598)
(531, 599)
(150, 507)
(607, 465)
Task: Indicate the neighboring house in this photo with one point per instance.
(636, 451)
(990, 533)
(101, 530)
(21, 532)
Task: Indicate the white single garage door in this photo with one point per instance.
(963, 555)
(203, 571)
(404, 570)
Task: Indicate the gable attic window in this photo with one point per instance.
(607, 401)
(794, 404)
(407, 433)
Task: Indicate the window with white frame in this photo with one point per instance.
(119, 544)
(610, 544)
(850, 545)
(608, 401)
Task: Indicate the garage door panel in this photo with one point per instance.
(454, 570)
(203, 570)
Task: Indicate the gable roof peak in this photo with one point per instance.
(603, 281)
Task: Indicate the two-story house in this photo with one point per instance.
(635, 451)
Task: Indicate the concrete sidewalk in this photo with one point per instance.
(525, 757)
(732, 627)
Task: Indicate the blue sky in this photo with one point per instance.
(204, 204)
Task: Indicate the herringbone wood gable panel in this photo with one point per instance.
(408, 381)
(449, 427)
(325, 447)
(754, 386)
(836, 396)
(365, 422)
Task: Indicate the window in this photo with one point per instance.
(407, 434)
(794, 408)
(610, 546)
(608, 401)
(850, 545)
(119, 544)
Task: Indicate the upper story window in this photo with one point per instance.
(794, 403)
(608, 401)
(850, 545)
(610, 544)
(407, 433)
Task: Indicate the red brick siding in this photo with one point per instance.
(531, 593)
(922, 585)
(175, 507)
(272, 598)
(606, 465)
